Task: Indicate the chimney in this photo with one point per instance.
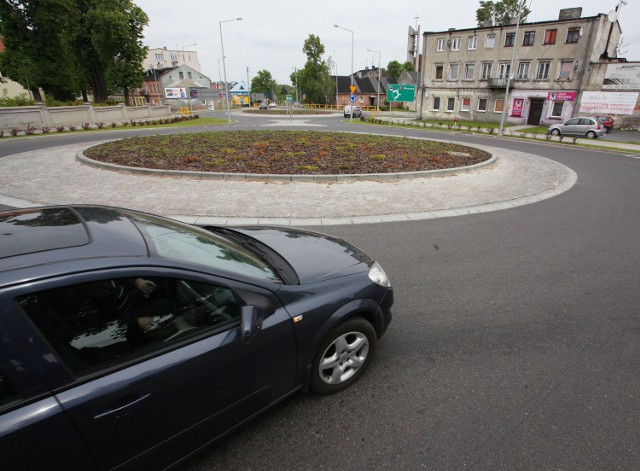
(570, 13)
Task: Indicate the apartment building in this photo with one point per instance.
(466, 71)
(163, 58)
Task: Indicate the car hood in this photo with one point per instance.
(313, 256)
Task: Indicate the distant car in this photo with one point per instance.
(272, 105)
(587, 127)
(357, 111)
(606, 121)
(130, 340)
(262, 106)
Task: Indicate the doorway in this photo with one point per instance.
(535, 112)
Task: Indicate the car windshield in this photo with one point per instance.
(189, 244)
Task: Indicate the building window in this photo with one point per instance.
(441, 45)
(436, 103)
(473, 42)
(573, 35)
(469, 71)
(556, 111)
(499, 105)
(451, 104)
(439, 72)
(566, 67)
(466, 104)
(455, 44)
(490, 41)
(174, 57)
(189, 75)
(550, 36)
(523, 70)
(453, 71)
(486, 70)
(542, 73)
(181, 75)
(482, 104)
(528, 38)
(504, 70)
(159, 57)
(509, 39)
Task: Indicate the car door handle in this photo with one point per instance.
(121, 409)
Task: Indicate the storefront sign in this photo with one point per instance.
(561, 96)
(516, 109)
(608, 102)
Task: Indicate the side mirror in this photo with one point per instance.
(251, 323)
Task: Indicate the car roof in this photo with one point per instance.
(53, 234)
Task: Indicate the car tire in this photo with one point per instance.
(555, 132)
(343, 356)
(591, 135)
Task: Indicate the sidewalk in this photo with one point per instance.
(54, 176)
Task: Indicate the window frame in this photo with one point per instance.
(456, 43)
(573, 35)
(466, 107)
(439, 67)
(553, 109)
(543, 66)
(529, 38)
(490, 41)
(451, 104)
(472, 44)
(436, 101)
(454, 66)
(486, 66)
(550, 36)
(479, 102)
(510, 39)
(565, 66)
(495, 105)
(526, 65)
(469, 67)
(441, 44)
(504, 69)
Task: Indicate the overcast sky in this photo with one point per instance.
(271, 33)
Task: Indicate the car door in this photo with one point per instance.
(571, 126)
(154, 395)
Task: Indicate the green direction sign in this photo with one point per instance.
(289, 98)
(401, 92)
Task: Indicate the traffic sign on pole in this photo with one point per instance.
(352, 98)
(401, 92)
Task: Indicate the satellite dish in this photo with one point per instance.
(612, 16)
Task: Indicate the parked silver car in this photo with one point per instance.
(587, 127)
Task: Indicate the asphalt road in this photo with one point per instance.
(515, 342)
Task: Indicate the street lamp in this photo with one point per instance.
(224, 67)
(378, 98)
(505, 105)
(220, 77)
(184, 64)
(352, 78)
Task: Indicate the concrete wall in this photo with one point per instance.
(40, 115)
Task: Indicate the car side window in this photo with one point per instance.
(586, 121)
(7, 392)
(103, 323)
(571, 122)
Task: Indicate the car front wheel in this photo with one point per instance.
(343, 356)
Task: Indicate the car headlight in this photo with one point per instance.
(378, 276)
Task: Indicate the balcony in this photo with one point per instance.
(497, 83)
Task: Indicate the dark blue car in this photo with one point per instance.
(131, 340)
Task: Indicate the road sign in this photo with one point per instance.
(401, 92)
(352, 88)
(289, 98)
(352, 98)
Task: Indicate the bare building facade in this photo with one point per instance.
(546, 66)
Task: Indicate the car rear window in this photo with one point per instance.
(29, 231)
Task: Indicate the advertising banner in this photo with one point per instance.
(516, 109)
(561, 96)
(622, 76)
(179, 93)
(608, 102)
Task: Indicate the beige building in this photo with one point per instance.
(547, 66)
(163, 58)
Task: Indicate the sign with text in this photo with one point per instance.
(179, 93)
(401, 92)
(608, 102)
(561, 96)
(516, 109)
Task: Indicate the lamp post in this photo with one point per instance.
(378, 98)
(184, 64)
(220, 77)
(505, 105)
(352, 78)
(224, 67)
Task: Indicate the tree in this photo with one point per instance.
(394, 69)
(314, 77)
(408, 66)
(500, 13)
(263, 83)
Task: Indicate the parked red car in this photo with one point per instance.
(606, 121)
